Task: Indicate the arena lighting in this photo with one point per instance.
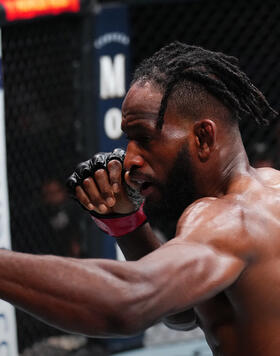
(28, 9)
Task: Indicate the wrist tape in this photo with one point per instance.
(121, 225)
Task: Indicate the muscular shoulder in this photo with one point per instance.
(216, 222)
(269, 176)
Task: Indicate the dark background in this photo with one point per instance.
(49, 106)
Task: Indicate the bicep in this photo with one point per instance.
(183, 274)
(172, 279)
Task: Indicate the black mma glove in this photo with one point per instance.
(100, 161)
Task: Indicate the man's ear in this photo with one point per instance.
(205, 138)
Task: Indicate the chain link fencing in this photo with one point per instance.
(248, 30)
(40, 61)
(42, 80)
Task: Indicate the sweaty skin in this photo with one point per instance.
(240, 219)
(219, 272)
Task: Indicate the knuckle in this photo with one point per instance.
(99, 174)
(106, 191)
(117, 154)
(99, 160)
(96, 200)
(71, 184)
(114, 165)
(83, 169)
(87, 182)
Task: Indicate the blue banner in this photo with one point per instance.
(112, 59)
(112, 77)
(112, 53)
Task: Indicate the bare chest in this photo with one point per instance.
(217, 319)
(214, 312)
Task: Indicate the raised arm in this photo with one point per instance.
(98, 184)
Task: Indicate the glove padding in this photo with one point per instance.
(88, 168)
(100, 161)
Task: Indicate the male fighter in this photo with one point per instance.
(186, 158)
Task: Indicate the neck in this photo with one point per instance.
(228, 165)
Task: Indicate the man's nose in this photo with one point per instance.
(133, 157)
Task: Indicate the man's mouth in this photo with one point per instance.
(146, 188)
(145, 185)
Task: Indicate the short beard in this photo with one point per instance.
(177, 193)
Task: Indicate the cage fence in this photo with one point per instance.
(40, 62)
(246, 30)
(42, 66)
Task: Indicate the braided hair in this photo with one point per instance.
(179, 66)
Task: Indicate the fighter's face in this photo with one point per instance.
(159, 160)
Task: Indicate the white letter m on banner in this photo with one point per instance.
(112, 76)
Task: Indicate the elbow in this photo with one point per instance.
(180, 326)
(183, 321)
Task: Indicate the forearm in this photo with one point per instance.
(138, 243)
(69, 294)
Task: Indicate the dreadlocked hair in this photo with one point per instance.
(214, 72)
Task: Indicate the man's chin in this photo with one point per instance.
(165, 204)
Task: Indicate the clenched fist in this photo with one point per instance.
(100, 185)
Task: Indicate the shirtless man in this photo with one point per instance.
(186, 158)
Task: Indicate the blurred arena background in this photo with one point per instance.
(53, 57)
